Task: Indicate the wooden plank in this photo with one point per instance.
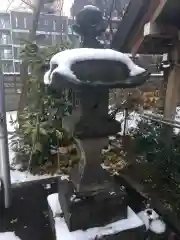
(172, 94)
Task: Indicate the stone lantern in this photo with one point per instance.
(91, 197)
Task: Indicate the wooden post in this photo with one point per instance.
(173, 88)
(172, 95)
(24, 64)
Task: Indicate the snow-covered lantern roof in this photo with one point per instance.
(84, 67)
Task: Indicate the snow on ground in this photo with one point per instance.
(62, 231)
(135, 117)
(10, 128)
(148, 217)
(16, 175)
(152, 221)
(132, 121)
(8, 236)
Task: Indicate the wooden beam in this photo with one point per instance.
(138, 37)
(168, 13)
(159, 30)
(143, 43)
(158, 9)
(129, 24)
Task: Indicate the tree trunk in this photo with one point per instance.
(24, 64)
(163, 89)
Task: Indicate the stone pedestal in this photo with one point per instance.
(130, 228)
(154, 236)
(88, 177)
(91, 198)
(83, 212)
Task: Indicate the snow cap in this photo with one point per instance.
(65, 59)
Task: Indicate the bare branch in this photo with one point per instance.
(110, 17)
(28, 3)
(60, 6)
(9, 5)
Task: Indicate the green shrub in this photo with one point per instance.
(40, 133)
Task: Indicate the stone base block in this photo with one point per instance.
(91, 211)
(131, 228)
(155, 236)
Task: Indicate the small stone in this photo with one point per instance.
(73, 198)
(47, 186)
(112, 193)
(14, 220)
(77, 200)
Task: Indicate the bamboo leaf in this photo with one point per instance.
(59, 134)
(34, 136)
(43, 131)
(38, 147)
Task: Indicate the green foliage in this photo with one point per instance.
(149, 139)
(38, 57)
(40, 133)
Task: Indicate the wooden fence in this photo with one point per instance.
(12, 90)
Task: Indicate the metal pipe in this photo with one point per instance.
(4, 151)
(158, 119)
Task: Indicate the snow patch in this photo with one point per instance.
(53, 202)
(105, 167)
(65, 59)
(11, 116)
(132, 120)
(152, 221)
(16, 175)
(8, 236)
(47, 186)
(19, 177)
(65, 177)
(92, 7)
(158, 226)
(73, 198)
(62, 231)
